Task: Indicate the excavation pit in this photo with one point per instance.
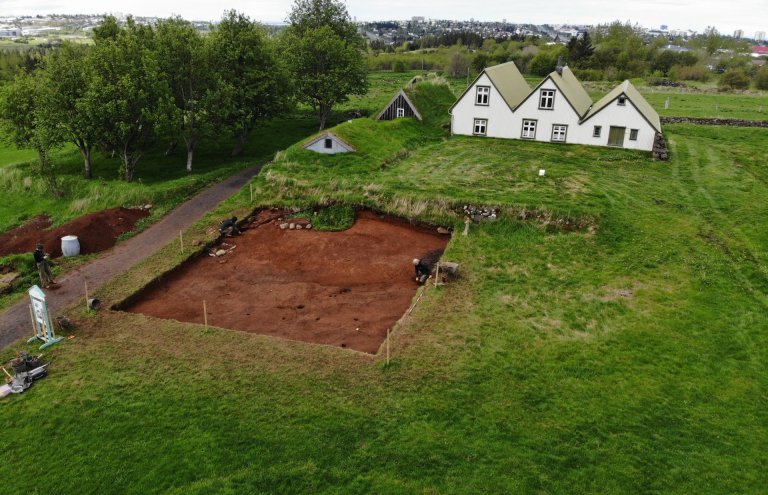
(335, 288)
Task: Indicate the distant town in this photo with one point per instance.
(394, 32)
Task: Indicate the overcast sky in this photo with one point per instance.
(726, 16)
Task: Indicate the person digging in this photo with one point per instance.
(423, 270)
(229, 227)
(43, 267)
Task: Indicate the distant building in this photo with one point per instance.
(10, 32)
(328, 143)
(759, 51)
(417, 18)
(676, 48)
(738, 34)
(664, 27)
(760, 36)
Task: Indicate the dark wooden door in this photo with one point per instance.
(616, 136)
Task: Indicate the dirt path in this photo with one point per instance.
(14, 322)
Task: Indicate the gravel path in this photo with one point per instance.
(15, 323)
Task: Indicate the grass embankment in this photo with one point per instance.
(627, 359)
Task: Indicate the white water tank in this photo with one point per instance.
(70, 246)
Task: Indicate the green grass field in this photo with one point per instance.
(624, 356)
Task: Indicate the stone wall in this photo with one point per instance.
(703, 121)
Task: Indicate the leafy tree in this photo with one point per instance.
(184, 61)
(545, 62)
(325, 55)
(65, 76)
(481, 61)
(109, 29)
(24, 126)
(580, 50)
(127, 99)
(251, 84)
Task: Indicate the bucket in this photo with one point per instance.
(70, 246)
(94, 304)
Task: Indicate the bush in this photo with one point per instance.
(690, 73)
(761, 78)
(589, 74)
(734, 79)
(398, 66)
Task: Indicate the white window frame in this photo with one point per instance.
(633, 134)
(529, 129)
(400, 112)
(480, 128)
(547, 99)
(557, 130)
(598, 129)
(328, 143)
(482, 95)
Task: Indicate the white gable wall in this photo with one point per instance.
(561, 114)
(497, 112)
(336, 147)
(620, 116)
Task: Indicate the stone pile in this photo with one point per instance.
(703, 121)
(660, 151)
(480, 213)
(294, 224)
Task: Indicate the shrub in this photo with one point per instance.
(690, 73)
(761, 78)
(734, 79)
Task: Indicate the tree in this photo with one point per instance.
(65, 76)
(184, 61)
(251, 85)
(109, 29)
(761, 78)
(580, 50)
(127, 100)
(325, 55)
(23, 124)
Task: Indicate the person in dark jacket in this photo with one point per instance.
(229, 227)
(423, 270)
(43, 267)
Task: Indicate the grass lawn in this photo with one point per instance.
(629, 357)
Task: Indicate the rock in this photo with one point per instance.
(283, 226)
(147, 207)
(196, 242)
(9, 278)
(298, 226)
(309, 226)
(292, 226)
(220, 252)
(443, 230)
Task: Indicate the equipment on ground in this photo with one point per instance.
(41, 320)
(27, 370)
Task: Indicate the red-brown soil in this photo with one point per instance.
(95, 231)
(337, 288)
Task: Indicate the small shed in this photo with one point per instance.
(399, 106)
(329, 143)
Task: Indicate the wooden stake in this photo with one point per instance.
(181, 241)
(86, 296)
(250, 186)
(6, 372)
(437, 273)
(466, 226)
(205, 315)
(387, 346)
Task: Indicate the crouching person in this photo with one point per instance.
(423, 270)
(229, 227)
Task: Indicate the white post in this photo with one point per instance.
(181, 241)
(205, 315)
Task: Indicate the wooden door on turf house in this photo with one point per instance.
(616, 136)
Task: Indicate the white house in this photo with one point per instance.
(328, 143)
(499, 103)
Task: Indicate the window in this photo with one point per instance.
(400, 112)
(597, 130)
(480, 127)
(481, 98)
(547, 99)
(633, 134)
(622, 100)
(558, 132)
(328, 143)
(529, 129)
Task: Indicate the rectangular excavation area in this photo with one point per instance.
(336, 288)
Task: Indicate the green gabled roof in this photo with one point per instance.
(507, 80)
(633, 95)
(572, 89)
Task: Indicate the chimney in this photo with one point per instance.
(559, 68)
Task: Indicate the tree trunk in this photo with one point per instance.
(86, 152)
(322, 114)
(240, 140)
(190, 142)
(171, 148)
(129, 165)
